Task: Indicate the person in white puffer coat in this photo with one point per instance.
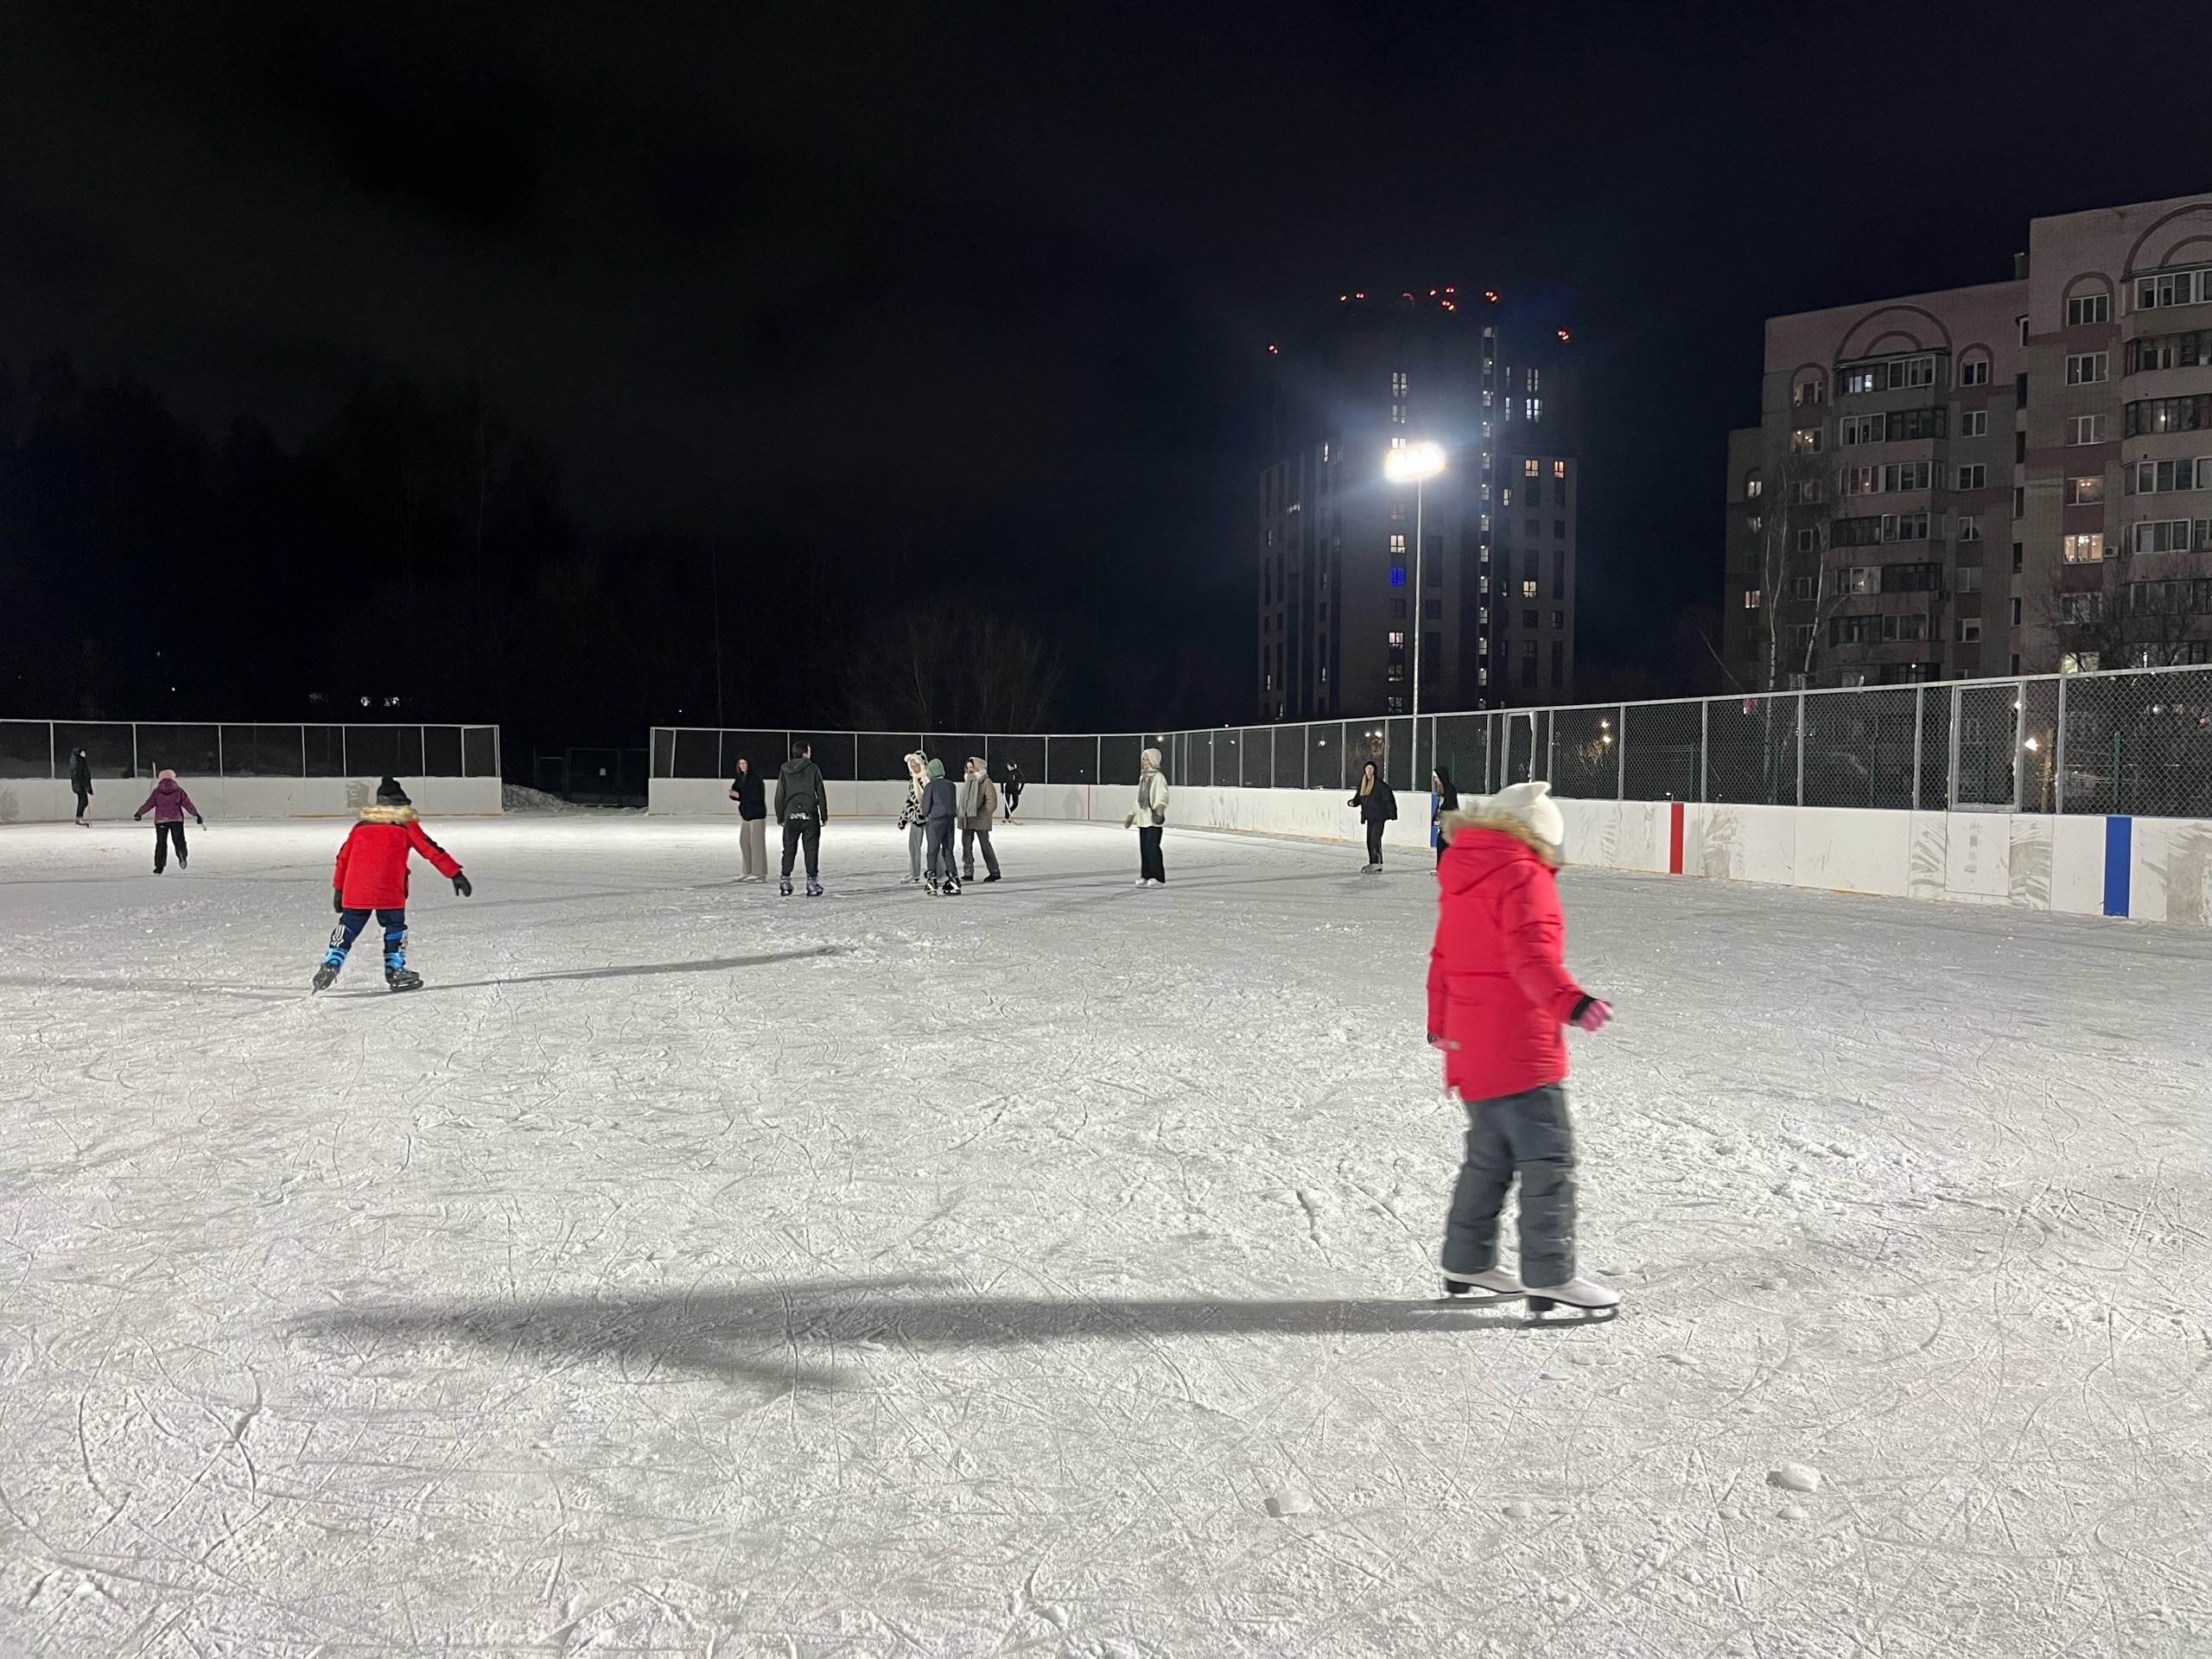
(1150, 818)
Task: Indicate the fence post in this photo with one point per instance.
(2020, 742)
(1705, 749)
(1801, 748)
(1620, 752)
(134, 745)
(2058, 754)
(53, 754)
(1919, 721)
(1951, 763)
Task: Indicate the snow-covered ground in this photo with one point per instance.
(691, 1271)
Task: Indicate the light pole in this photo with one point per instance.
(1415, 463)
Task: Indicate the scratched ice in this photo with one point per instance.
(690, 1271)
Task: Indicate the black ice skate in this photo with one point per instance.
(787, 888)
(326, 975)
(813, 888)
(403, 979)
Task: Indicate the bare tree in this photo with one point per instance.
(940, 670)
(2145, 614)
(1793, 529)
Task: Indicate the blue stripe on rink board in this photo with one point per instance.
(2119, 844)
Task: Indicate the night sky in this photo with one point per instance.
(986, 294)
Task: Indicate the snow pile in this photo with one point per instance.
(520, 797)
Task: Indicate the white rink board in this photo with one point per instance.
(43, 800)
(690, 1270)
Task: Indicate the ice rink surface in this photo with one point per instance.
(691, 1271)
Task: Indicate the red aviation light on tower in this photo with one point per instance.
(1563, 335)
(1273, 349)
(1490, 294)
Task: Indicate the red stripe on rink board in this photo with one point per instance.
(1675, 839)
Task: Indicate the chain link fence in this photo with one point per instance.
(2136, 741)
(47, 748)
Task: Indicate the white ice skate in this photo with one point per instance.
(1579, 1295)
(1491, 1285)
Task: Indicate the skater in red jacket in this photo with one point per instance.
(372, 875)
(1499, 999)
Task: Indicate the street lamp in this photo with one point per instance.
(1415, 464)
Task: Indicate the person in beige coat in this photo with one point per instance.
(979, 806)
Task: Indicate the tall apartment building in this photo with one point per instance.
(1337, 581)
(1996, 479)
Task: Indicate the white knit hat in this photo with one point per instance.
(1531, 806)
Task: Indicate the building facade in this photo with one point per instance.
(1358, 579)
(1996, 479)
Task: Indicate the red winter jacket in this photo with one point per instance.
(1498, 988)
(371, 872)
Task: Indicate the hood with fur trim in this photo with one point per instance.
(1525, 812)
(387, 815)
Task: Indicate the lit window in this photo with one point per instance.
(1529, 468)
(1397, 547)
(1527, 590)
(1754, 487)
(1535, 408)
(1398, 383)
(2088, 548)
(2085, 491)
(1558, 469)
(1805, 441)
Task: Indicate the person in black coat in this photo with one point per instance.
(1443, 798)
(80, 780)
(750, 791)
(1378, 804)
(1010, 791)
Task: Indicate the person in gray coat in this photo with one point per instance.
(979, 804)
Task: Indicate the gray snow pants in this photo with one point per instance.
(1531, 1134)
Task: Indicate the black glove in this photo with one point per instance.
(461, 884)
(202, 822)
(338, 901)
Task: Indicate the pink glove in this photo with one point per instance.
(1593, 1014)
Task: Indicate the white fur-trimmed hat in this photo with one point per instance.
(1526, 811)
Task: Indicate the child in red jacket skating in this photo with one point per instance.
(1499, 996)
(372, 875)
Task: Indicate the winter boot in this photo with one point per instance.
(992, 877)
(813, 888)
(326, 975)
(1579, 1295)
(1491, 1285)
(403, 979)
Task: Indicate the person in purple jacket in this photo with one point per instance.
(169, 803)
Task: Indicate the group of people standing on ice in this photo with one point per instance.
(934, 809)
